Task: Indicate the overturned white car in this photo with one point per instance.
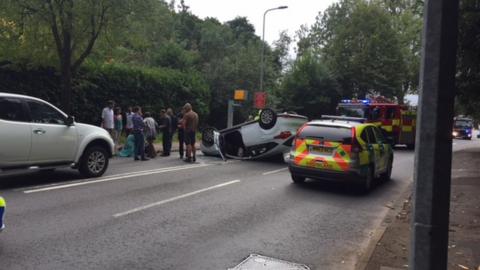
(272, 134)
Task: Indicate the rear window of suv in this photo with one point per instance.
(327, 133)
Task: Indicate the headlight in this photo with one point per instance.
(455, 134)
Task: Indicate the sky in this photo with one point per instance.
(299, 12)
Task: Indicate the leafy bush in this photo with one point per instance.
(152, 88)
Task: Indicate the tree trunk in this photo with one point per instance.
(66, 88)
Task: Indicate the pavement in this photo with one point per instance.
(391, 251)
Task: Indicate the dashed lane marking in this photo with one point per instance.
(141, 208)
(275, 171)
(115, 177)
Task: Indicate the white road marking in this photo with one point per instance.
(174, 198)
(116, 177)
(275, 171)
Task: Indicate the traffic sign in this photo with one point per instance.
(260, 100)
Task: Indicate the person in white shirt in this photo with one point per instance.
(151, 134)
(107, 117)
(129, 122)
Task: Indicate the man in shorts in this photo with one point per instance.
(190, 125)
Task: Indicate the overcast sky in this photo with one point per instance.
(299, 12)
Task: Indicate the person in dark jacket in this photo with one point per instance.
(166, 128)
(181, 133)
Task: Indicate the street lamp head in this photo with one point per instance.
(282, 7)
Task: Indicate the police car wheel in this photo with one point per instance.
(207, 136)
(367, 180)
(298, 179)
(267, 119)
(94, 162)
(386, 176)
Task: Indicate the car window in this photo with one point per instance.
(12, 109)
(371, 135)
(45, 114)
(364, 135)
(378, 135)
(327, 133)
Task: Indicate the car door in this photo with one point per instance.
(15, 133)
(374, 148)
(383, 149)
(52, 140)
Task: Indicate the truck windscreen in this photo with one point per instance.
(353, 111)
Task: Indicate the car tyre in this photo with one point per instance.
(367, 183)
(386, 176)
(94, 162)
(208, 137)
(267, 118)
(298, 179)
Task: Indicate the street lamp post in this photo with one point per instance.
(262, 64)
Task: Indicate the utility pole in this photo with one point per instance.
(433, 155)
(262, 61)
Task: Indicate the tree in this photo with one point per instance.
(309, 88)
(468, 55)
(74, 26)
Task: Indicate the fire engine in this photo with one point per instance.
(397, 121)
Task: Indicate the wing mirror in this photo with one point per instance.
(70, 121)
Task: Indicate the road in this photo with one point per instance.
(166, 214)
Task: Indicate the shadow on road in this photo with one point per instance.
(342, 188)
(38, 178)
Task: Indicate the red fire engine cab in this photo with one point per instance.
(397, 121)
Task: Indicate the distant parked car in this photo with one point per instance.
(37, 135)
(341, 150)
(269, 135)
(462, 128)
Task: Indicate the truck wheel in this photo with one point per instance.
(298, 179)
(207, 136)
(267, 119)
(94, 162)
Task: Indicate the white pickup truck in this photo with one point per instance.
(35, 135)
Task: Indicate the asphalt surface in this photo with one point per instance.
(166, 214)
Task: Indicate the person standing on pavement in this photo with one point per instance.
(166, 128)
(151, 134)
(128, 122)
(107, 118)
(181, 133)
(173, 125)
(138, 128)
(118, 126)
(190, 125)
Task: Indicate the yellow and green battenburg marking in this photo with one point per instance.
(338, 162)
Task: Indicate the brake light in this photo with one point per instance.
(283, 135)
(356, 147)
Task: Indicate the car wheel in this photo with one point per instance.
(94, 162)
(386, 176)
(411, 146)
(267, 118)
(298, 179)
(208, 137)
(368, 180)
